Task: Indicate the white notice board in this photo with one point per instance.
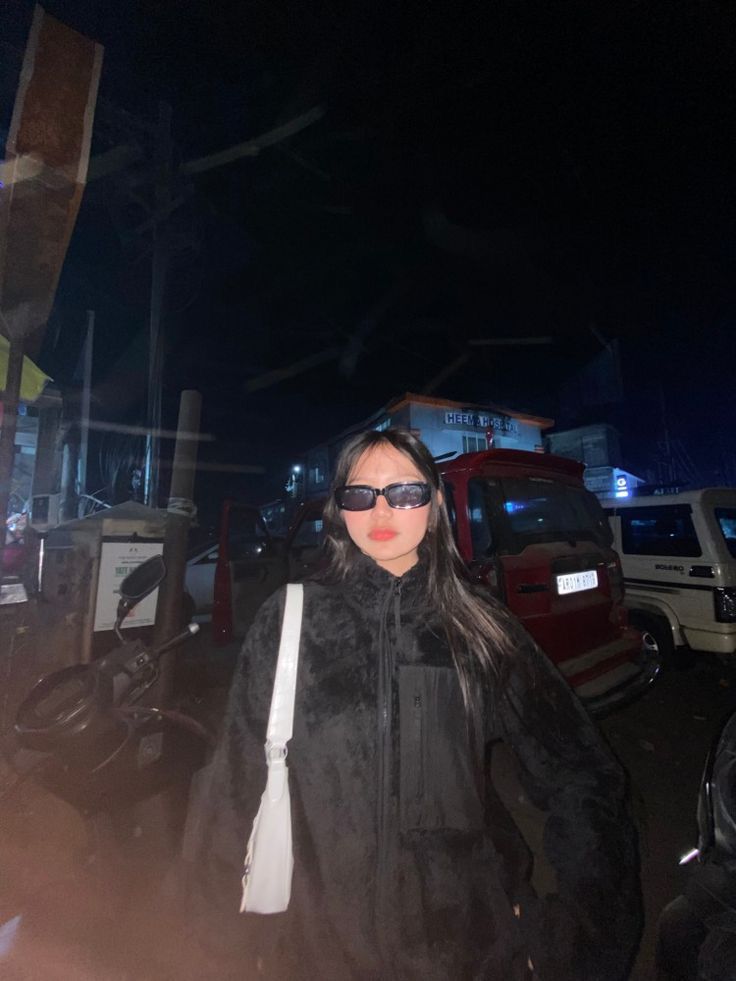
(117, 559)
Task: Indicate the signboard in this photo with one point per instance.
(43, 176)
(117, 559)
(467, 419)
(599, 480)
(503, 425)
(622, 486)
(32, 378)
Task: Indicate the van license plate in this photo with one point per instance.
(576, 582)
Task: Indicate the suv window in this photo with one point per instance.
(665, 530)
(726, 518)
(482, 500)
(516, 512)
(449, 494)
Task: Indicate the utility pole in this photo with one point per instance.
(180, 510)
(158, 295)
(11, 397)
(85, 413)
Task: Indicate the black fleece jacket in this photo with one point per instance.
(396, 872)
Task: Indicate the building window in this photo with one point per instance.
(474, 444)
(384, 424)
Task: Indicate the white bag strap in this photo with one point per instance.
(281, 716)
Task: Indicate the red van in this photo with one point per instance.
(536, 538)
(529, 530)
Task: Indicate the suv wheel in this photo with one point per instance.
(657, 641)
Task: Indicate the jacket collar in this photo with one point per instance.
(369, 584)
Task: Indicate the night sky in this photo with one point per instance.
(481, 170)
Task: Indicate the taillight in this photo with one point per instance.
(725, 602)
(615, 579)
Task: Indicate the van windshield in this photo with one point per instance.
(726, 518)
(521, 512)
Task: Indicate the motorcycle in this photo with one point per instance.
(84, 734)
(697, 930)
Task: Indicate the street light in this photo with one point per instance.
(293, 485)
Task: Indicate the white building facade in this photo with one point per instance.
(446, 427)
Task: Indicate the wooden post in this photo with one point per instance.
(11, 397)
(181, 507)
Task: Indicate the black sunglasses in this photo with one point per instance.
(360, 497)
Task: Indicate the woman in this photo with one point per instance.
(405, 676)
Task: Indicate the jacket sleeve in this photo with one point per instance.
(225, 799)
(590, 929)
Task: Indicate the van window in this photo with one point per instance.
(521, 512)
(726, 518)
(665, 530)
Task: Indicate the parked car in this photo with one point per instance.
(532, 535)
(199, 581)
(250, 563)
(679, 562)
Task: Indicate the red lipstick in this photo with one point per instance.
(382, 534)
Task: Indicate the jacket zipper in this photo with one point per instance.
(385, 760)
(419, 792)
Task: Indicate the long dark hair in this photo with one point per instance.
(475, 630)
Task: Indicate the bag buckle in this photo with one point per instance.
(275, 752)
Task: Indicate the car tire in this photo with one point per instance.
(657, 641)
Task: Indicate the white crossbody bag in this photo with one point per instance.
(269, 860)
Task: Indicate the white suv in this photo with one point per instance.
(678, 553)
